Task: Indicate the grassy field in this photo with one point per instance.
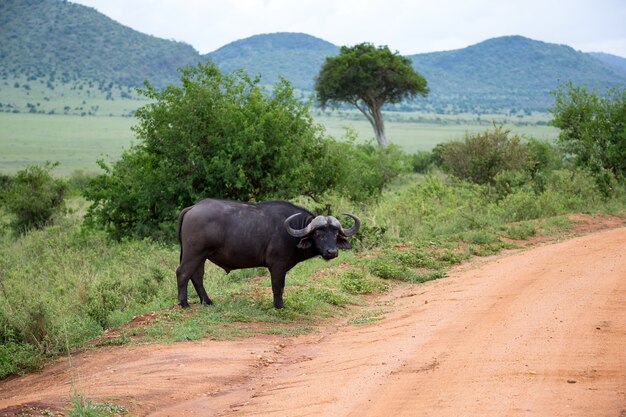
(421, 131)
(74, 141)
(76, 123)
(77, 142)
(80, 97)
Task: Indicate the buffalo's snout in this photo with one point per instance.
(330, 254)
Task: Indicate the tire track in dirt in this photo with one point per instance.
(536, 332)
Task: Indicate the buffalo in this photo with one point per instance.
(234, 235)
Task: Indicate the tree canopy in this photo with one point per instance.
(368, 77)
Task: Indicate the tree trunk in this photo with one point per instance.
(379, 126)
(374, 115)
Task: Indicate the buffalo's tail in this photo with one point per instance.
(180, 226)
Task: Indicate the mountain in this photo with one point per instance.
(55, 38)
(614, 60)
(61, 40)
(510, 71)
(296, 56)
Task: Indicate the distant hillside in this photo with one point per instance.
(59, 41)
(295, 56)
(42, 38)
(614, 60)
(510, 71)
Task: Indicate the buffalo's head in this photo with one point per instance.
(325, 232)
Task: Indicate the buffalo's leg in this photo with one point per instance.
(197, 280)
(184, 273)
(278, 285)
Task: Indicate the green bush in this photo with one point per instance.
(507, 182)
(482, 156)
(5, 184)
(223, 136)
(358, 171)
(422, 162)
(217, 136)
(544, 156)
(521, 230)
(78, 181)
(593, 130)
(34, 197)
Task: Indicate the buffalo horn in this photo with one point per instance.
(315, 223)
(352, 230)
(320, 221)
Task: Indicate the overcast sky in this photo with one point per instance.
(406, 26)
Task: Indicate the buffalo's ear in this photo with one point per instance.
(343, 243)
(305, 243)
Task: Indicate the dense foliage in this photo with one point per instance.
(222, 136)
(482, 156)
(368, 77)
(33, 197)
(593, 130)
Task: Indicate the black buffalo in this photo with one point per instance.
(274, 234)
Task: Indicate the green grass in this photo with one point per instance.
(414, 131)
(74, 141)
(84, 407)
(87, 283)
(22, 95)
(77, 142)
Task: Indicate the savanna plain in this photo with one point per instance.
(458, 298)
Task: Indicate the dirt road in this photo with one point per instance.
(540, 332)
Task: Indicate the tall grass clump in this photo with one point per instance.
(60, 286)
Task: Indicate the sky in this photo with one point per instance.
(408, 27)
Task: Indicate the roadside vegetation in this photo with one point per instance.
(68, 284)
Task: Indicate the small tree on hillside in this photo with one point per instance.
(368, 77)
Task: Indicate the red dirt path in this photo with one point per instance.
(537, 332)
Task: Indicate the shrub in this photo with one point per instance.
(480, 157)
(422, 162)
(34, 197)
(507, 182)
(544, 155)
(593, 130)
(217, 136)
(223, 136)
(78, 181)
(387, 269)
(358, 171)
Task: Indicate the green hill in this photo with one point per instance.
(510, 71)
(613, 60)
(62, 42)
(295, 56)
(53, 38)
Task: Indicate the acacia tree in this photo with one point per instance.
(368, 77)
